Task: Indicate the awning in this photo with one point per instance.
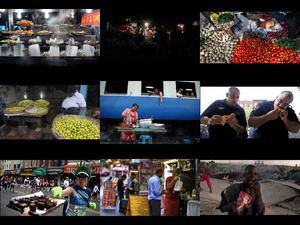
(41, 171)
(120, 168)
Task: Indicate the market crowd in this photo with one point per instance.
(154, 43)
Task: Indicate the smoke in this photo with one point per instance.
(61, 17)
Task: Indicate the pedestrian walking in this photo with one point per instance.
(26, 182)
(12, 184)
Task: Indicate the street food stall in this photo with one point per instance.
(27, 111)
(34, 107)
(50, 36)
(146, 168)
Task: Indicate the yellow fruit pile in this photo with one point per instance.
(25, 103)
(14, 109)
(41, 102)
(41, 110)
(76, 128)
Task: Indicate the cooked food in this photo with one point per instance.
(225, 118)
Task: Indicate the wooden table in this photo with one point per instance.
(23, 118)
(139, 130)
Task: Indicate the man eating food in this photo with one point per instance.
(274, 119)
(226, 119)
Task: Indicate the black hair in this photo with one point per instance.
(248, 167)
(134, 104)
(160, 170)
(72, 89)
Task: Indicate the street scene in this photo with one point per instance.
(37, 112)
(50, 188)
(272, 188)
(150, 36)
(149, 187)
(150, 112)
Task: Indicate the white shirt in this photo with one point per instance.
(128, 181)
(95, 189)
(77, 101)
(66, 183)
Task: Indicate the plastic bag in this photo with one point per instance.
(243, 200)
(178, 185)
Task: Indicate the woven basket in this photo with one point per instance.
(46, 106)
(33, 113)
(26, 106)
(57, 136)
(14, 112)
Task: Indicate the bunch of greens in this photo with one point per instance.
(202, 39)
(286, 42)
(225, 18)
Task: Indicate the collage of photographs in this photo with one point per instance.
(124, 127)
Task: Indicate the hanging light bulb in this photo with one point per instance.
(42, 95)
(25, 95)
(72, 13)
(19, 11)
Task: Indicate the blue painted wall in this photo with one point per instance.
(111, 107)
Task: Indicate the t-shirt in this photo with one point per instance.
(219, 107)
(128, 181)
(272, 128)
(120, 185)
(76, 101)
(231, 194)
(76, 205)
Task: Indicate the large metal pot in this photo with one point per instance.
(144, 123)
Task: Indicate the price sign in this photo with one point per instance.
(91, 19)
(137, 206)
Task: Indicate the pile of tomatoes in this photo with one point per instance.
(254, 50)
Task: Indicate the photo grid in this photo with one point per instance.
(132, 129)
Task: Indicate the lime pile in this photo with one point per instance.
(41, 110)
(41, 102)
(14, 109)
(76, 128)
(25, 103)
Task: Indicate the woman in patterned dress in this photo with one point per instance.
(131, 116)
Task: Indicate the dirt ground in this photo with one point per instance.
(279, 197)
(31, 135)
(157, 139)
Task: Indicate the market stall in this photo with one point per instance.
(249, 37)
(59, 37)
(27, 111)
(146, 168)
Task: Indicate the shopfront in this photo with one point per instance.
(27, 172)
(59, 37)
(56, 174)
